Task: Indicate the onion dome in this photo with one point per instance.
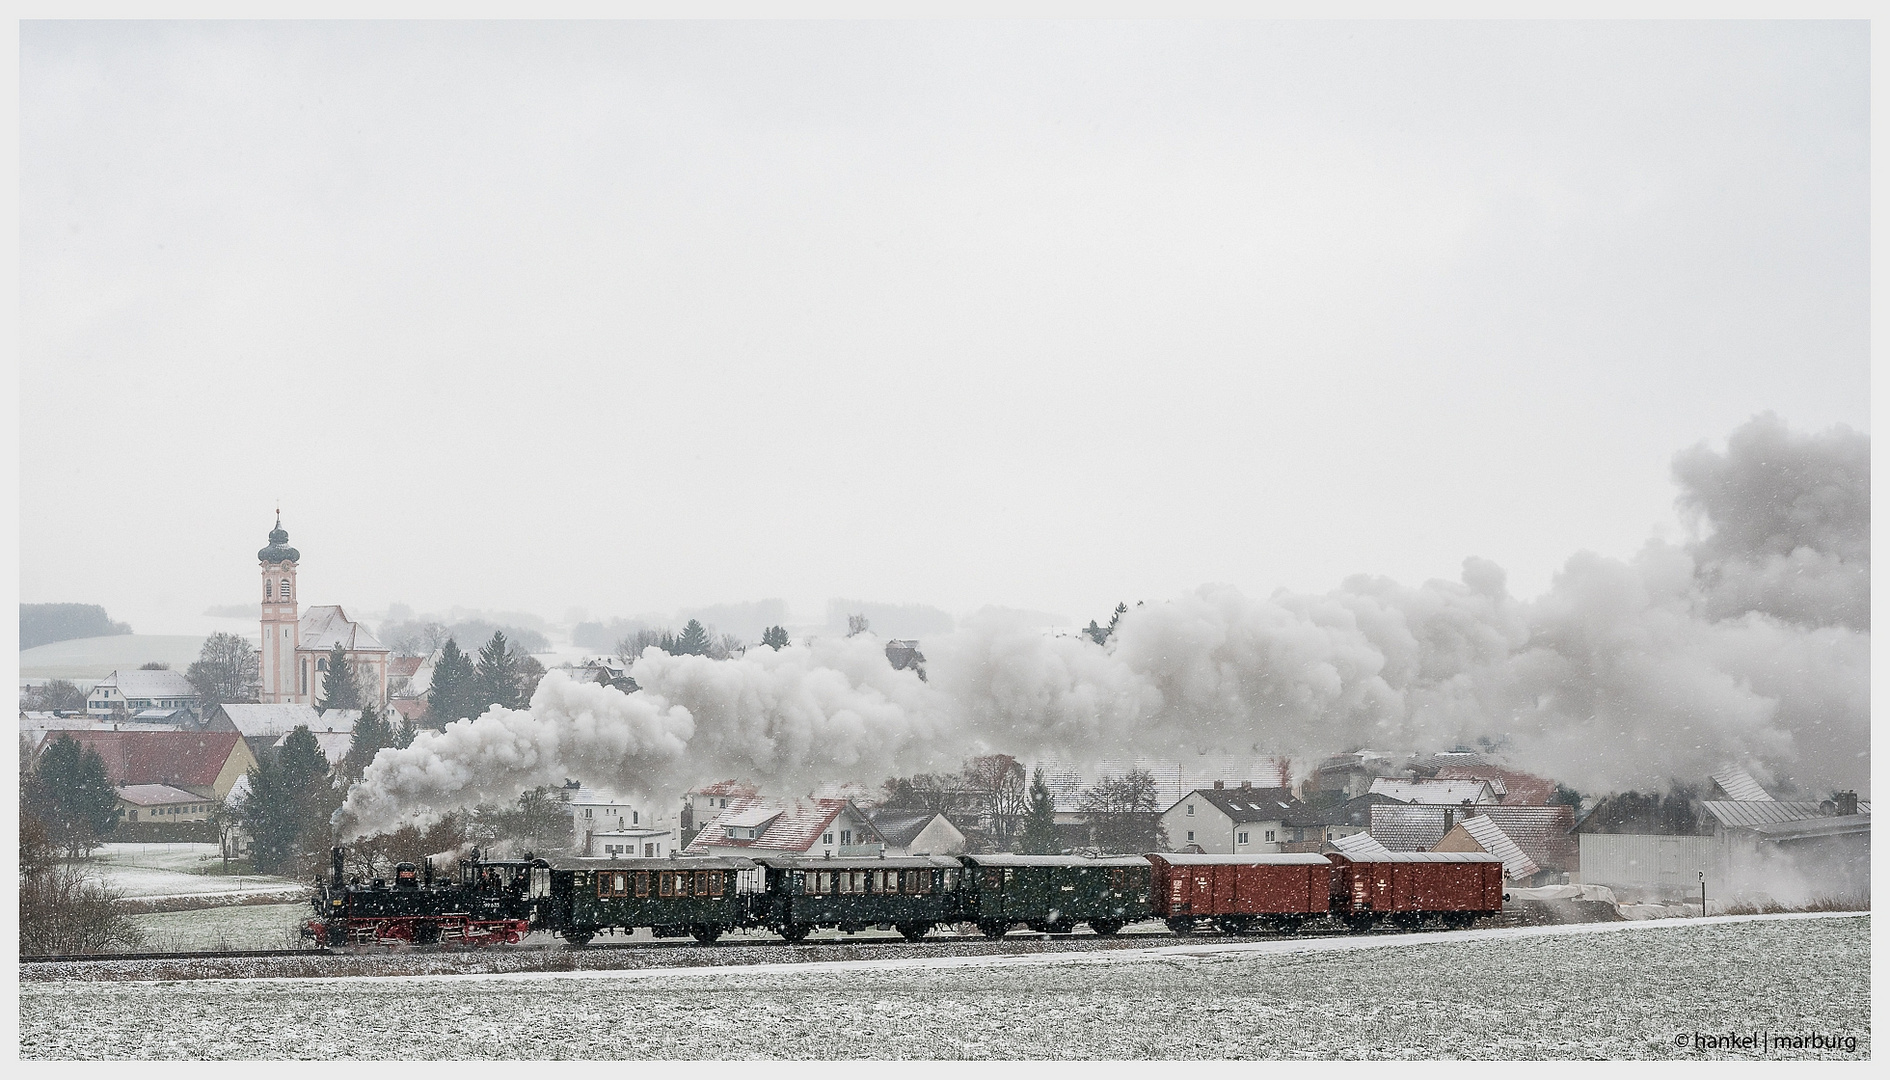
(279, 550)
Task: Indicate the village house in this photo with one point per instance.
(1437, 792)
(1746, 842)
(265, 726)
(603, 824)
(815, 827)
(1479, 834)
(1222, 820)
(1171, 780)
(1351, 773)
(917, 832)
(206, 763)
(137, 691)
(1314, 825)
(162, 804)
(1543, 832)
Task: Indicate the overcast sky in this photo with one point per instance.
(637, 316)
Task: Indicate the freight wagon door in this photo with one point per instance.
(1225, 879)
(1203, 898)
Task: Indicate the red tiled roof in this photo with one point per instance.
(731, 788)
(414, 709)
(404, 665)
(800, 824)
(1519, 788)
(176, 758)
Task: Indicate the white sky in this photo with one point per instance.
(637, 316)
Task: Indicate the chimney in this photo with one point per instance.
(1219, 785)
(1246, 785)
(1846, 803)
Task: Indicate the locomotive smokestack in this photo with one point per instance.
(336, 855)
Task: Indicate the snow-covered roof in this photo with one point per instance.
(1411, 826)
(1007, 859)
(1245, 805)
(1517, 788)
(793, 827)
(1739, 785)
(1745, 815)
(1495, 841)
(334, 744)
(156, 795)
(326, 626)
(1427, 857)
(148, 684)
(730, 788)
(1360, 846)
(902, 827)
(1435, 792)
(254, 721)
(752, 818)
(1288, 858)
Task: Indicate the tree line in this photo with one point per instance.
(993, 802)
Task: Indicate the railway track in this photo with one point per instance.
(1118, 940)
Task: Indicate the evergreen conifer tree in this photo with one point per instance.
(450, 694)
(373, 732)
(340, 688)
(496, 677)
(775, 637)
(72, 793)
(694, 640)
(1040, 819)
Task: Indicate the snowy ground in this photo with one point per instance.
(1641, 990)
(247, 926)
(149, 872)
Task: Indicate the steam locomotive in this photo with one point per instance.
(497, 902)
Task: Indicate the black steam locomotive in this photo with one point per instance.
(488, 903)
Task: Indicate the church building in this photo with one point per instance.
(295, 649)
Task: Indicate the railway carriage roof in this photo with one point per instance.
(866, 862)
(1290, 858)
(1054, 860)
(707, 862)
(1422, 856)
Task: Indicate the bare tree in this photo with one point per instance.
(998, 783)
(227, 671)
(63, 909)
(856, 624)
(1124, 813)
(631, 645)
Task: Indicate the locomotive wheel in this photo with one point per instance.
(705, 934)
(913, 931)
(1181, 925)
(795, 934)
(1062, 926)
(579, 937)
(1106, 927)
(426, 934)
(991, 928)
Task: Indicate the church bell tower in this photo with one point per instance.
(281, 629)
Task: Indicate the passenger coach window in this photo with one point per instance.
(993, 878)
(666, 883)
(643, 884)
(603, 885)
(950, 880)
(620, 885)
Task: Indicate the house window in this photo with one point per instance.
(1242, 838)
(827, 838)
(1269, 836)
(1190, 814)
(846, 837)
(1190, 836)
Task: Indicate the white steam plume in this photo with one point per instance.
(1750, 644)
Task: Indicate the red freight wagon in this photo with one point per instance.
(1411, 887)
(1238, 890)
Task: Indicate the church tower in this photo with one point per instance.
(281, 629)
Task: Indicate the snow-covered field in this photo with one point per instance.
(164, 871)
(245, 926)
(1638, 990)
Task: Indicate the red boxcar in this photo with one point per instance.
(1412, 887)
(1237, 891)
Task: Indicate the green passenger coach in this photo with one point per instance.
(1052, 893)
(911, 892)
(701, 897)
